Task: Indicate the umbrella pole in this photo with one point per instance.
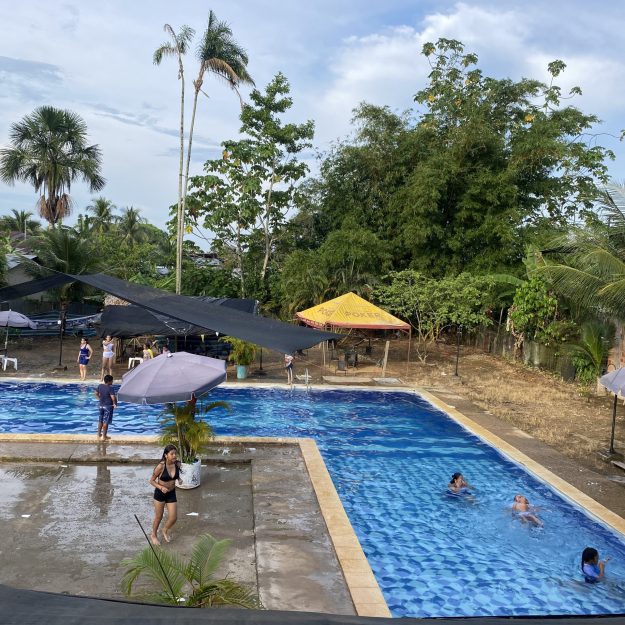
(613, 424)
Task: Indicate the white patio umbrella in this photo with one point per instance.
(614, 382)
(171, 378)
(12, 319)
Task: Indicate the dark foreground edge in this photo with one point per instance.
(29, 607)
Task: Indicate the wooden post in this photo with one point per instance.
(613, 423)
(384, 361)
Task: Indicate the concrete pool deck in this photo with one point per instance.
(68, 519)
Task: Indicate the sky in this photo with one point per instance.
(95, 58)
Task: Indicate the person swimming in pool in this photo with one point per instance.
(458, 485)
(522, 509)
(593, 568)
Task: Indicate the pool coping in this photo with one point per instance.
(361, 583)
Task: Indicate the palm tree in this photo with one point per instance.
(131, 226)
(190, 582)
(20, 221)
(588, 265)
(84, 225)
(49, 150)
(219, 54)
(102, 211)
(62, 249)
(177, 47)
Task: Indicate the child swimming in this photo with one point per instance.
(525, 512)
(458, 485)
(593, 568)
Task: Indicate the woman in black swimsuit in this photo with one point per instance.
(164, 481)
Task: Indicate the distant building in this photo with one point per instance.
(206, 259)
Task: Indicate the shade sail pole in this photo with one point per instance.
(613, 423)
(408, 355)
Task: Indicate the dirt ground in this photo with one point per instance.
(556, 412)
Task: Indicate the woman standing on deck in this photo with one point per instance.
(164, 479)
(84, 354)
(107, 356)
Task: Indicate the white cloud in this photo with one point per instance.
(335, 55)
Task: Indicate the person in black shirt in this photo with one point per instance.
(108, 402)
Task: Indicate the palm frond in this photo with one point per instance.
(169, 574)
(207, 555)
(224, 592)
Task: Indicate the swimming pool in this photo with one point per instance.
(390, 455)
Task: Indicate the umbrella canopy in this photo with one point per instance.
(614, 382)
(171, 378)
(12, 319)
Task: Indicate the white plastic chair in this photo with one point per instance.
(5, 360)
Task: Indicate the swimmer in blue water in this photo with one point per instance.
(593, 568)
(458, 485)
(525, 511)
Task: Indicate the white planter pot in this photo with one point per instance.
(190, 474)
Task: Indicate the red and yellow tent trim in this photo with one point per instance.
(350, 311)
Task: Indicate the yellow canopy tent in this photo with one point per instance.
(351, 311)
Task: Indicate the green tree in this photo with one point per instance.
(432, 306)
(532, 310)
(358, 178)
(502, 158)
(102, 211)
(191, 582)
(20, 221)
(302, 282)
(131, 226)
(587, 264)
(590, 353)
(353, 257)
(49, 150)
(61, 249)
(247, 193)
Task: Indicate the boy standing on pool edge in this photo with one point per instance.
(108, 402)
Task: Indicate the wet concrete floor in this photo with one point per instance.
(67, 513)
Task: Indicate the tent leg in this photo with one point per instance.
(613, 424)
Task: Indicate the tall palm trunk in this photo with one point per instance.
(184, 181)
(180, 211)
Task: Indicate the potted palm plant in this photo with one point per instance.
(242, 354)
(180, 427)
(189, 583)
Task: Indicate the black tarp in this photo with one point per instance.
(129, 321)
(269, 333)
(24, 289)
(28, 607)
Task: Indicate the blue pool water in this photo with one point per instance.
(390, 456)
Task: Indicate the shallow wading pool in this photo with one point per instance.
(390, 455)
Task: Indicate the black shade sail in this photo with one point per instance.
(28, 606)
(129, 321)
(269, 333)
(24, 289)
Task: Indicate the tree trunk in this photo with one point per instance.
(185, 183)
(266, 229)
(180, 211)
